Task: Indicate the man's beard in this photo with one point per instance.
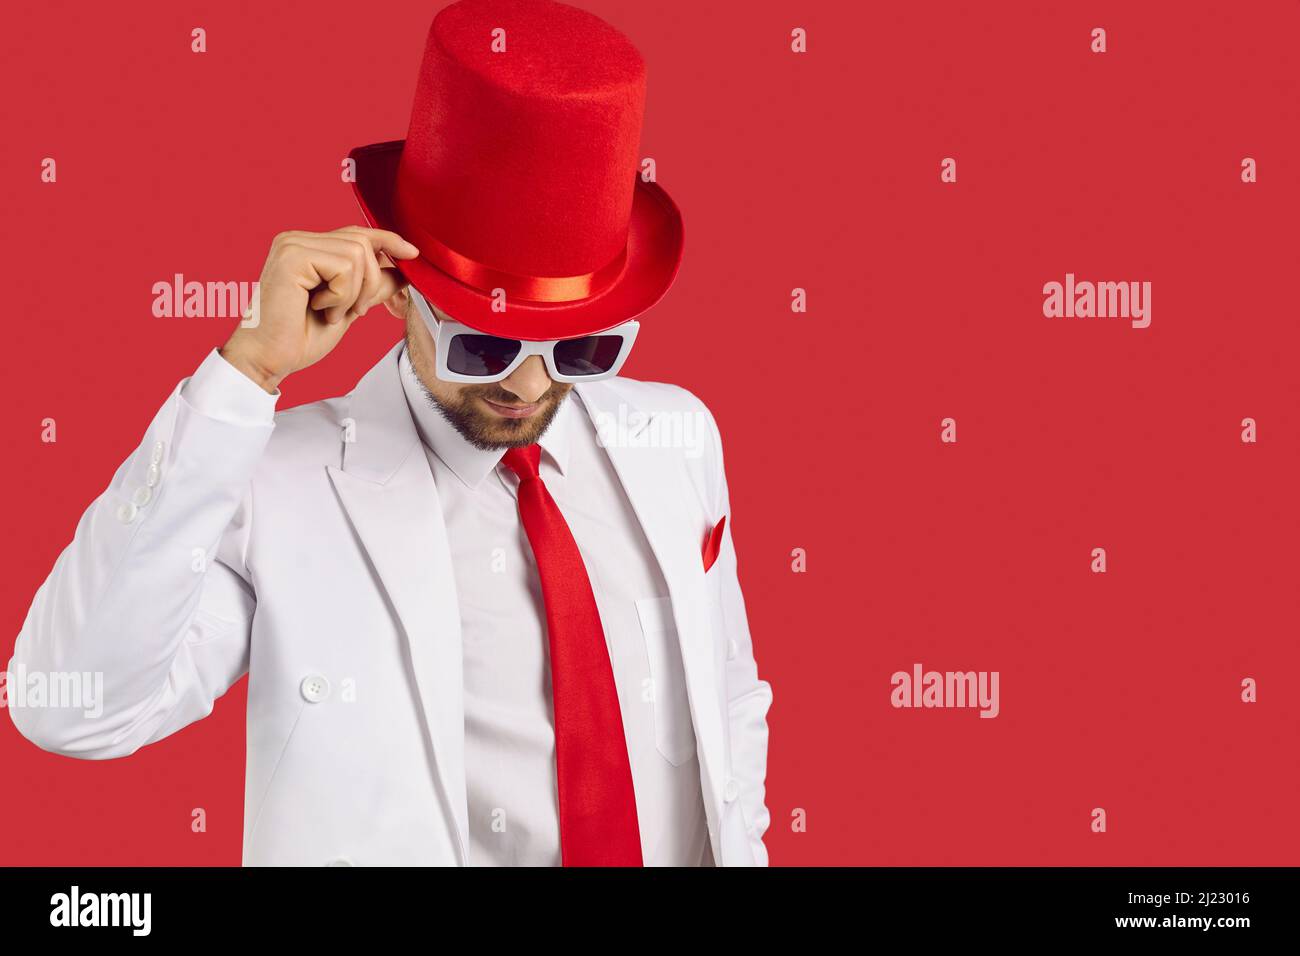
(488, 431)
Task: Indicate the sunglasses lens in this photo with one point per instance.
(589, 355)
(480, 354)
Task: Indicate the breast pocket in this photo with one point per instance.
(674, 735)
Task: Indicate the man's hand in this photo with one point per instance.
(313, 287)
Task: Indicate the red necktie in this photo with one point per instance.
(598, 822)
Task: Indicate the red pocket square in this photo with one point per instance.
(713, 543)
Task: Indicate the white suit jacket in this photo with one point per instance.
(312, 555)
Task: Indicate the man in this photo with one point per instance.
(485, 622)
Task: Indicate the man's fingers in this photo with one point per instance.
(363, 258)
(339, 274)
(348, 270)
(390, 283)
(379, 239)
(383, 246)
(382, 239)
(381, 284)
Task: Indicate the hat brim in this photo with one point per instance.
(654, 254)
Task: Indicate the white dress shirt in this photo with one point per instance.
(509, 724)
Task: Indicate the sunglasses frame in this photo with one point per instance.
(444, 328)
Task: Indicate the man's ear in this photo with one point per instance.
(399, 303)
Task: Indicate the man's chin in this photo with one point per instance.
(487, 428)
(510, 431)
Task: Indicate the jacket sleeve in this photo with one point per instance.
(145, 618)
(748, 696)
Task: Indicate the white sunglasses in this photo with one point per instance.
(467, 355)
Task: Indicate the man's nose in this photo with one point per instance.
(528, 382)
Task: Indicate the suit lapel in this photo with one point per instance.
(658, 489)
(390, 498)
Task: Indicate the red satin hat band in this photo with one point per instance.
(484, 278)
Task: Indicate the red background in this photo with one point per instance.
(818, 171)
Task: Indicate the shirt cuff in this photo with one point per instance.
(219, 390)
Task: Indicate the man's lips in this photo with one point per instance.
(513, 411)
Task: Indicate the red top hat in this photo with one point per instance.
(520, 173)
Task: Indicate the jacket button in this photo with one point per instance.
(153, 476)
(315, 688)
(157, 455)
(732, 649)
(142, 496)
(731, 791)
(126, 512)
(341, 861)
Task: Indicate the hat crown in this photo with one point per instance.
(544, 48)
(521, 154)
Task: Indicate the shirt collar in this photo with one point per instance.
(470, 464)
